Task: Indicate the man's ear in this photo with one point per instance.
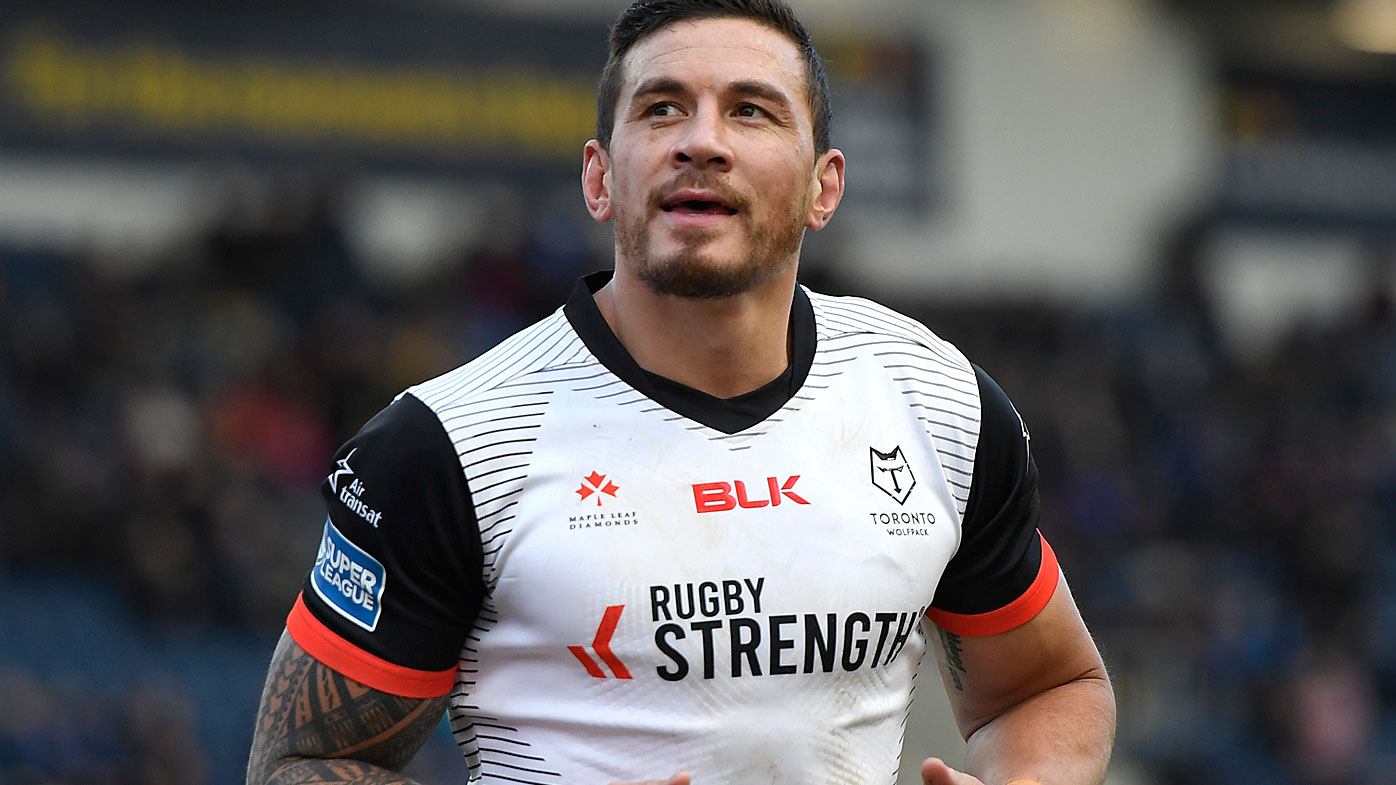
(827, 187)
(596, 188)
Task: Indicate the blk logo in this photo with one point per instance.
(596, 484)
(601, 644)
(891, 473)
(721, 496)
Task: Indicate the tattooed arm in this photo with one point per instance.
(1032, 703)
(316, 726)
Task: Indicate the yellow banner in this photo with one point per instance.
(140, 89)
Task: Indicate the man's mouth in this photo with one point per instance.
(689, 204)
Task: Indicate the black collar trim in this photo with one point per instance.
(728, 415)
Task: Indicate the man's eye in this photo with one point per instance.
(664, 110)
(750, 110)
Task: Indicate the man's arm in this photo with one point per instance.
(1033, 703)
(318, 726)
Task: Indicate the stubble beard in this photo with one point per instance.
(693, 272)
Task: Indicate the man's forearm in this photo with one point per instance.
(316, 726)
(343, 771)
(1059, 737)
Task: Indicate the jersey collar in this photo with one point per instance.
(728, 415)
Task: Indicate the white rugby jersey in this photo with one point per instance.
(617, 577)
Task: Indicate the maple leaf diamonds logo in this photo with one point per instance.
(596, 484)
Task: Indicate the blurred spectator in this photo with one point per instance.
(158, 731)
(1330, 720)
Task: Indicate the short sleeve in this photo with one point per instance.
(397, 582)
(1004, 572)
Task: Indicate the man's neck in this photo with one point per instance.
(724, 347)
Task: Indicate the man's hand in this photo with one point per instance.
(682, 778)
(934, 771)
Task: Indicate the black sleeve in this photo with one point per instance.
(399, 572)
(1000, 549)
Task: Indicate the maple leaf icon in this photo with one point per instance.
(596, 483)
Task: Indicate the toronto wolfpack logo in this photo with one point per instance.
(891, 473)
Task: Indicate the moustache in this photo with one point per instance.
(719, 189)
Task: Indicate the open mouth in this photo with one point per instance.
(698, 207)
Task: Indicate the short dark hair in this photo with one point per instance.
(644, 17)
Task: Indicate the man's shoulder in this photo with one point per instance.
(840, 317)
(545, 344)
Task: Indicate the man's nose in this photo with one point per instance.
(704, 142)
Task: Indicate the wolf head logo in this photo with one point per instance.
(891, 473)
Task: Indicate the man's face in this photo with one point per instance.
(711, 168)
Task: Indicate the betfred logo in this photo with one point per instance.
(723, 496)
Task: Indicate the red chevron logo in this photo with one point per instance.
(602, 645)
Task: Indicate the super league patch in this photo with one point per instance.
(348, 579)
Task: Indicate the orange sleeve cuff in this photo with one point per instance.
(325, 645)
(1012, 615)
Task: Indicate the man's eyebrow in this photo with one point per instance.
(659, 85)
(749, 88)
(762, 90)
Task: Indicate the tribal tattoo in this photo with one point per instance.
(316, 727)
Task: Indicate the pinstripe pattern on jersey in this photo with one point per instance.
(936, 380)
(464, 716)
(492, 409)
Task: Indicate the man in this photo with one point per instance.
(699, 519)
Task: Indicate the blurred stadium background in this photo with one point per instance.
(231, 231)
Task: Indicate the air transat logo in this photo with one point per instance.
(351, 492)
(601, 644)
(344, 470)
(596, 484)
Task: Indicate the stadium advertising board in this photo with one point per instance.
(365, 84)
